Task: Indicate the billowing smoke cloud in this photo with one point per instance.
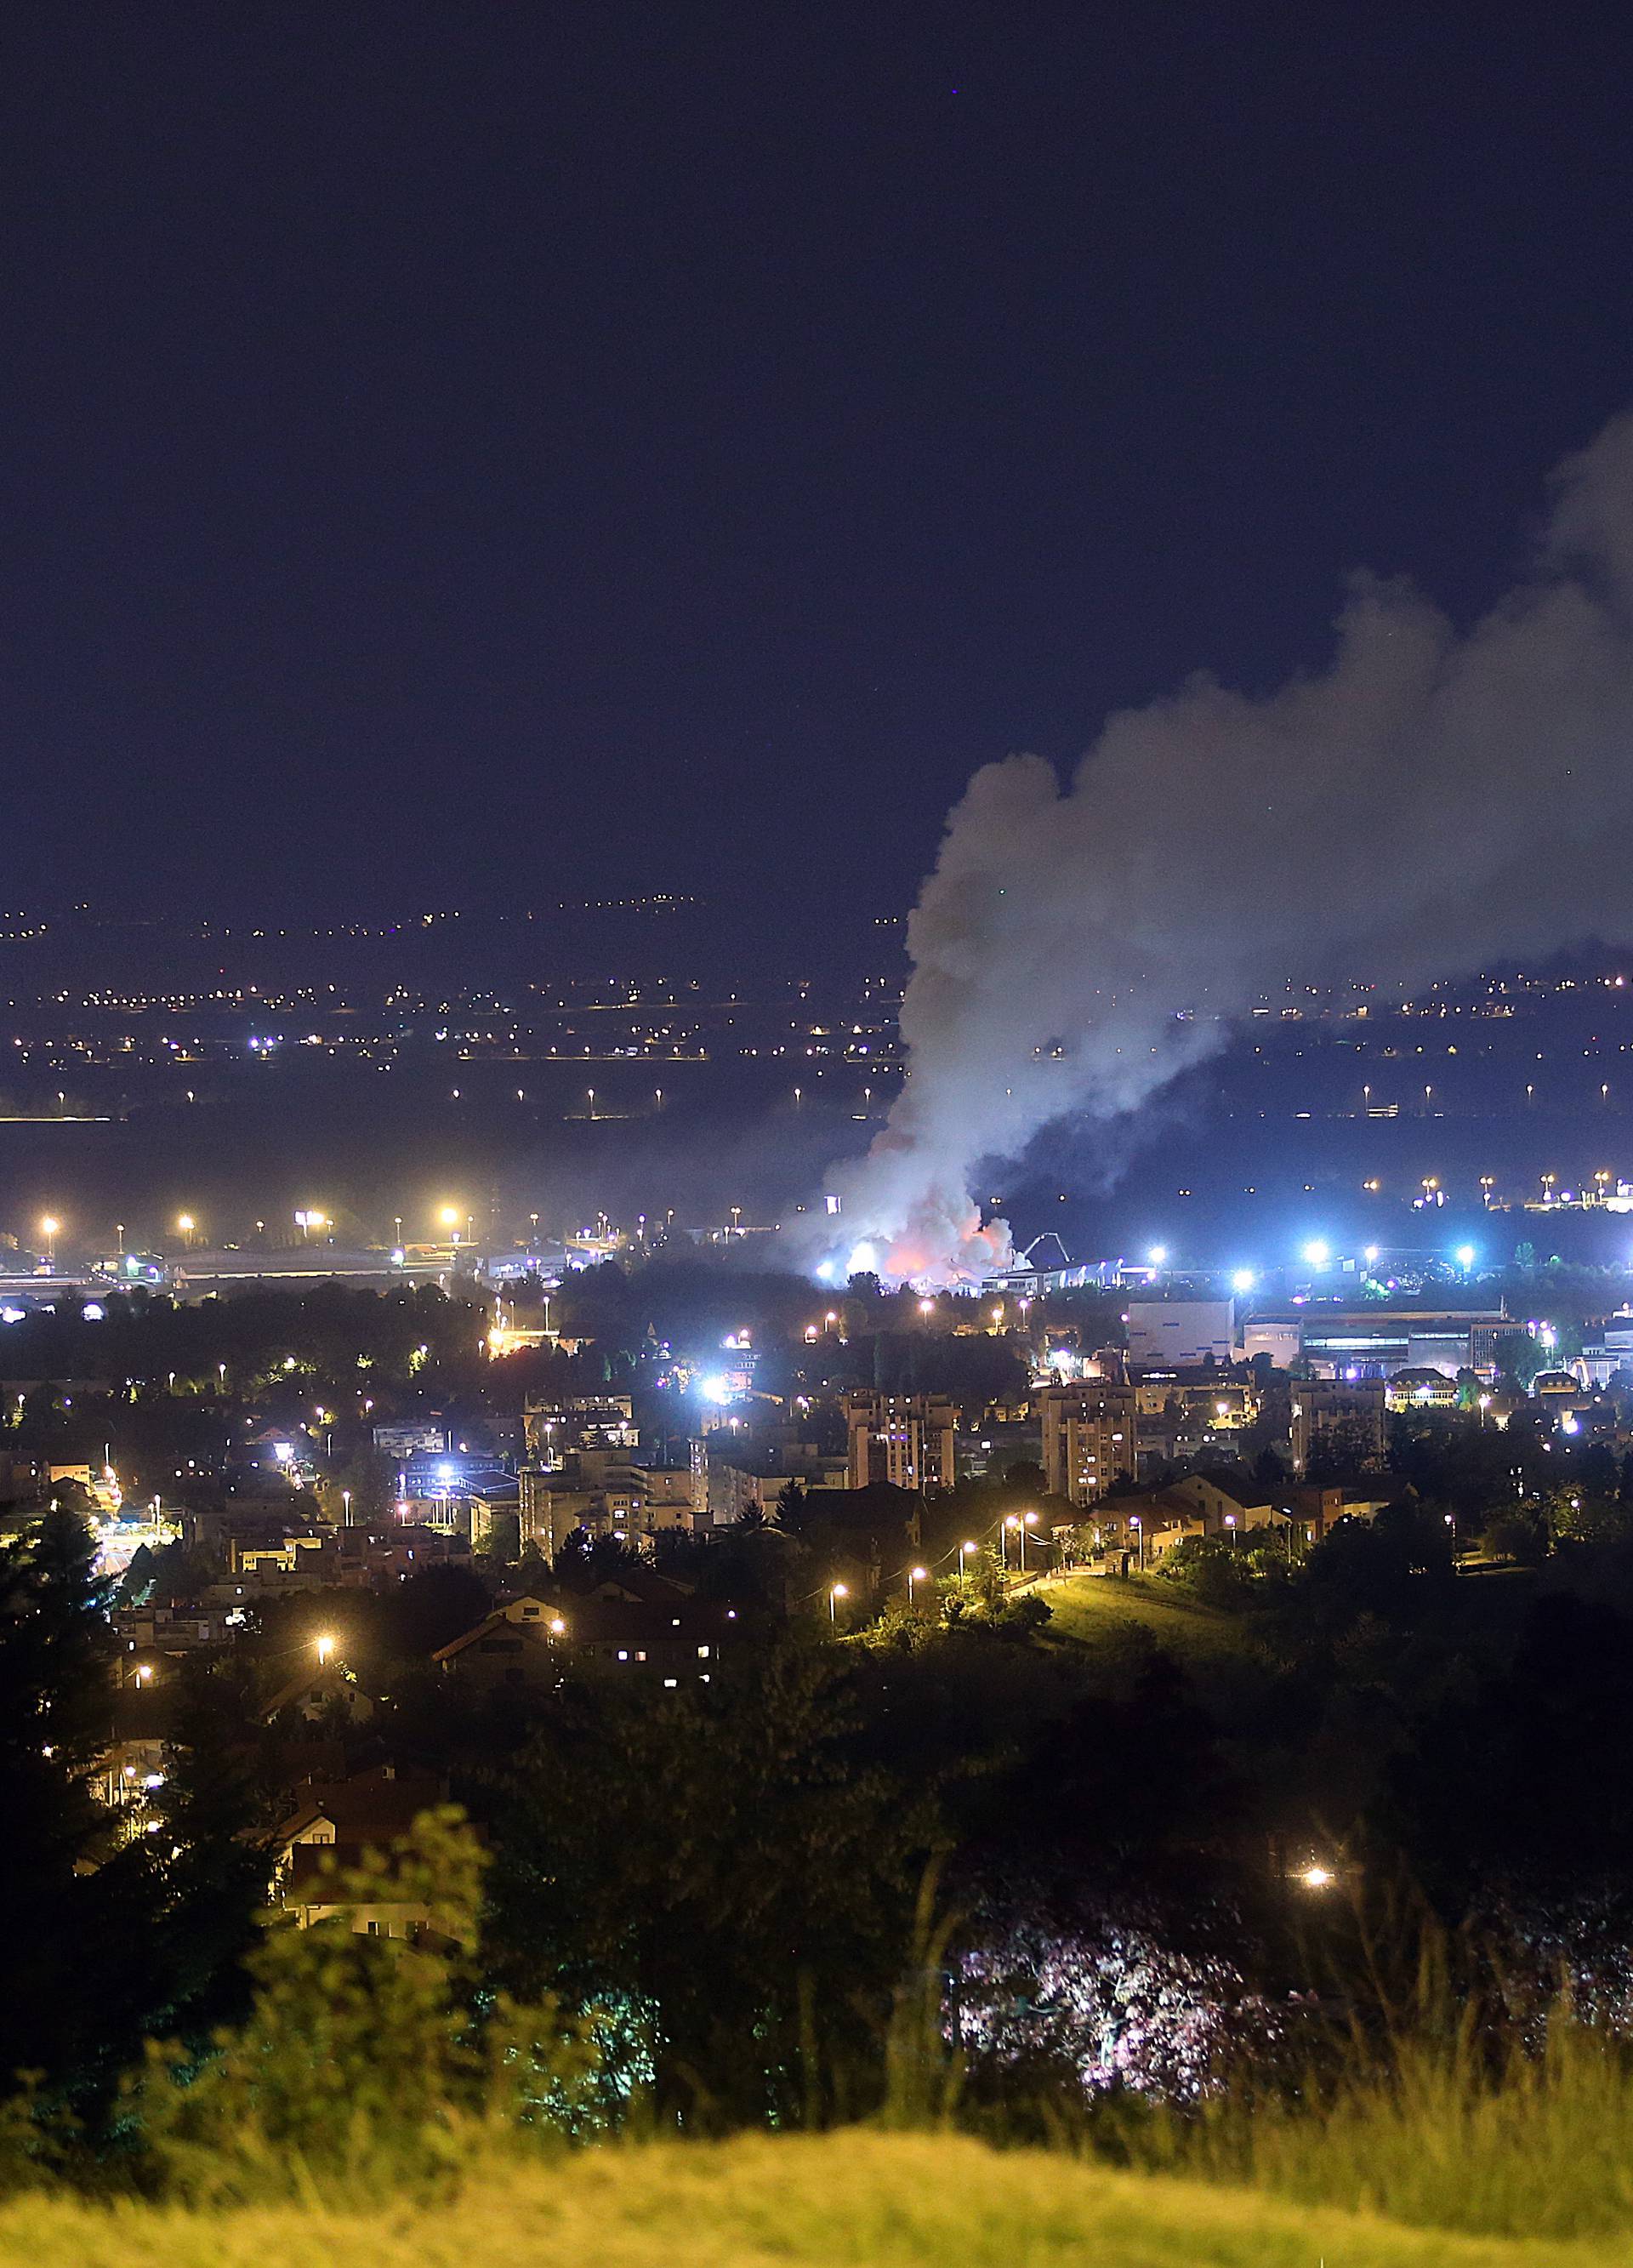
(1428, 802)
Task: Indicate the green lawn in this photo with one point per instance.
(1091, 1607)
(859, 2201)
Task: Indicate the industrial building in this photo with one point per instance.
(1171, 1333)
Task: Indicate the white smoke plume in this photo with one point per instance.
(1428, 802)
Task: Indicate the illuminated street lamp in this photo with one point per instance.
(837, 1592)
(916, 1575)
(185, 1225)
(48, 1229)
(326, 1649)
(965, 1550)
(1318, 1878)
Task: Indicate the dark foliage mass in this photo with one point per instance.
(1088, 1812)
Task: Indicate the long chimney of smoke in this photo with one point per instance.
(1428, 802)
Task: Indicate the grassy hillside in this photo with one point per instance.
(865, 2200)
(1093, 1607)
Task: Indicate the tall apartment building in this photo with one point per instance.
(1091, 1431)
(1350, 1408)
(904, 1438)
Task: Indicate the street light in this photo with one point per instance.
(48, 1229)
(326, 1648)
(837, 1592)
(186, 1226)
(345, 1498)
(964, 1552)
(916, 1575)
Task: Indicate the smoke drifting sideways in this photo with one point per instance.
(1430, 801)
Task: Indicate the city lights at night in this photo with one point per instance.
(816, 1136)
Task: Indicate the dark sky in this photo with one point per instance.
(597, 449)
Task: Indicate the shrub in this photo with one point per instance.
(369, 2057)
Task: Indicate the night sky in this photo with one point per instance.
(601, 450)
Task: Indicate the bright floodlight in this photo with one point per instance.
(1318, 1878)
(1158, 1255)
(717, 1389)
(1242, 1280)
(449, 1216)
(1465, 1256)
(1317, 1252)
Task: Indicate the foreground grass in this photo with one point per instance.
(868, 2201)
